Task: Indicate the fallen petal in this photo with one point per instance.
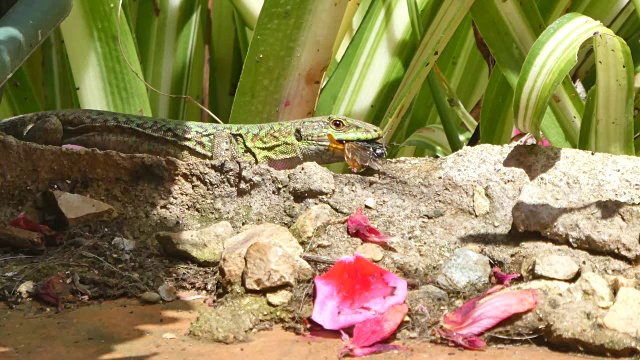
(502, 278)
(26, 223)
(484, 312)
(358, 226)
(380, 327)
(55, 290)
(355, 290)
(469, 342)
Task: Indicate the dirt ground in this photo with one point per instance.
(125, 329)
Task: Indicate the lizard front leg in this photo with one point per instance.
(227, 146)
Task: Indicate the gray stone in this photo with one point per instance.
(80, 209)
(279, 298)
(203, 246)
(585, 199)
(232, 320)
(268, 266)
(481, 204)
(465, 269)
(123, 244)
(311, 180)
(569, 317)
(597, 287)
(311, 220)
(167, 292)
(274, 237)
(624, 315)
(370, 203)
(150, 297)
(369, 251)
(556, 267)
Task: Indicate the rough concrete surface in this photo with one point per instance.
(567, 202)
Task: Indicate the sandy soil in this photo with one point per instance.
(125, 329)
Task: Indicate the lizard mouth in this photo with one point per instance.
(336, 144)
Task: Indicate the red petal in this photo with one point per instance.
(502, 278)
(486, 311)
(354, 290)
(26, 223)
(380, 327)
(53, 290)
(358, 226)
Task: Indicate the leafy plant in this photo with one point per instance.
(563, 70)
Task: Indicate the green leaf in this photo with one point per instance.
(172, 50)
(518, 23)
(289, 52)
(551, 58)
(102, 77)
(370, 70)
(464, 77)
(249, 10)
(448, 17)
(19, 94)
(611, 125)
(59, 89)
(226, 59)
(432, 139)
(447, 115)
(588, 128)
(496, 117)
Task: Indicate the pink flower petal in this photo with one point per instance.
(484, 312)
(355, 290)
(502, 278)
(380, 327)
(358, 226)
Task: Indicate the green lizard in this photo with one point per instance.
(281, 145)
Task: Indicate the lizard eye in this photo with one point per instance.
(337, 124)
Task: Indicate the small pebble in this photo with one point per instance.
(370, 203)
(167, 292)
(150, 297)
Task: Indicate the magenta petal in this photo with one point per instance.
(358, 226)
(486, 311)
(502, 278)
(355, 290)
(380, 327)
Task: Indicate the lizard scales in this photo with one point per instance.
(282, 145)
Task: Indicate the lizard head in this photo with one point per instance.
(324, 137)
(335, 129)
